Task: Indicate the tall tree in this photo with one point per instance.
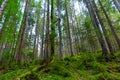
(2, 8)
(42, 35)
(47, 34)
(68, 29)
(97, 29)
(23, 27)
(52, 36)
(117, 4)
(103, 28)
(59, 28)
(110, 24)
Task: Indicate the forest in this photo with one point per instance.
(59, 39)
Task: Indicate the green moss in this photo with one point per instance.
(32, 76)
(86, 66)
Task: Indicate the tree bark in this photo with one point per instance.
(68, 30)
(117, 4)
(103, 28)
(110, 24)
(47, 34)
(52, 36)
(59, 28)
(35, 40)
(97, 29)
(2, 8)
(25, 19)
(42, 35)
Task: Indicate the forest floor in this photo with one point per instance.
(86, 66)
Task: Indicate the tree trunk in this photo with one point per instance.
(97, 29)
(52, 36)
(59, 28)
(47, 34)
(68, 29)
(110, 24)
(35, 40)
(2, 8)
(25, 19)
(74, 31)
(103, 28)
(42, 35)
(117, 4)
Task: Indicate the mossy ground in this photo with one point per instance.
(86, 66)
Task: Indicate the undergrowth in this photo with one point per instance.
(85, 66)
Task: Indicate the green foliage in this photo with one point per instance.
(32, 76)
(97, 67)
(79, 67)
(71, 59)
(88, 65)
(59, 69)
